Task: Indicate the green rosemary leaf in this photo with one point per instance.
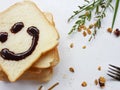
(78, 22)
(80, 7)
(87, 1)
(111, 6)
(97, 9)
(81, 16)
(73, 28)
(97, 2)
(104, 15)
(98, 23)
(94, 9)
(115, 12)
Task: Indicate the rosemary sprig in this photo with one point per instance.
(99, 6)
(115, 12)
(85, 7)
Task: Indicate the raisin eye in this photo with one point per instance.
(17, 27)
(3, 36)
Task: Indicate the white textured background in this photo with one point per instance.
(103, 50)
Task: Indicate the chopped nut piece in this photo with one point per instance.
(91, 26)
(109, 30)
(117, 32)
(88, 31)
(84, 84)
(99, 68)
(71, 45)
(102, 81)
(51, 88)
(71, 69)
(84, 34)
(96, 82)
(84, 47)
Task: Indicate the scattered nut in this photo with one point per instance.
(99, 68)
(84, 47)
(91, 26)
(96, 82)
(84, 34)
(84, 84)
(71, 69)
(102, 81)
(71, 45)
(109, 30)
(88, 31)
(117, 32)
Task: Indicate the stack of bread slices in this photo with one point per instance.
(28, 43)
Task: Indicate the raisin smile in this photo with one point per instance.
(9, 55)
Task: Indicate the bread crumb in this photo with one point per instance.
(102, 81)
(99, 68)
(84, 34)
(84, 47)
(84, 84)
(71, 45)
(109, 30)
(71, 69)
(96, 82)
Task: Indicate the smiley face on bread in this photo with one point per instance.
(22, 47)
(10, 55)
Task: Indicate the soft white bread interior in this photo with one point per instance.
(28, 13)
(50, 58)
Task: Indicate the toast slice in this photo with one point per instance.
(20, 42)
(50, 58)
(42, 70)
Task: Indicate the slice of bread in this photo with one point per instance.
(41, 75)
(51, 58)
(28, 13)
